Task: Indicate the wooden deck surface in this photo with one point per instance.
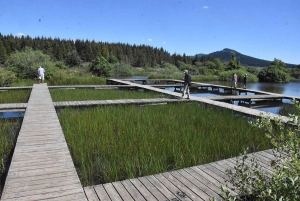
(41, 167)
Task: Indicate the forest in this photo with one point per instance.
(84, 59)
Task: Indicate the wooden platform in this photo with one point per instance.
(41, 167)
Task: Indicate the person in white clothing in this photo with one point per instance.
(41, 73)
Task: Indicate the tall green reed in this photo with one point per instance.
(102, 94)
(9, 129)
(115, 143)
(14, 96)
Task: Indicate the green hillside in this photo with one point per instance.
(225, 55)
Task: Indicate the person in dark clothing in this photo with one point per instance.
(187, 83)
(245, 80)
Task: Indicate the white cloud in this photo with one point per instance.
(20, 34)
(164, 42)
(150, 39)
(205, 7)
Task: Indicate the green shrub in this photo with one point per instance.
(7, 78)
(284, 184)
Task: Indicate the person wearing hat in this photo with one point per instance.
(245, 80)
(187, 83)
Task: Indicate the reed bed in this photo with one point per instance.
(114, 143)
(9, 128)
(101, 94)
(77, 81)
(14, 96)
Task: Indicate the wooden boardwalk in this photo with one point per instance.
(41, 167)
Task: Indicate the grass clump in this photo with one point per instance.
(116, 143)
(14, 96)
(103, 94)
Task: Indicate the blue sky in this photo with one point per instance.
(258, 28)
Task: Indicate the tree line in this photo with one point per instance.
(75, 52)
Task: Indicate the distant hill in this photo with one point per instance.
(225, 55)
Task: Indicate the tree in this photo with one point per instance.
(25, 63)
(233, 63)
(72, 58)
(275, 72)
(3, 55)
(101, 67)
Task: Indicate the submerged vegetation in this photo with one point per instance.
(100, 94)
(120, 142)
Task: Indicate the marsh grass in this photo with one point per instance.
(102, 94)
(14, 96)
(77, 81)
(9, 129)
(120, 142)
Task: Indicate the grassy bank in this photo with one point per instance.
(101, 94)
(14, 96)
(115, 143)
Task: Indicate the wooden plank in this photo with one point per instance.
(101, 193)
(211, 177)
(201, 187)
(132, 190)
(165, 187)
(191, 185)
(205, 181)
(90, 193)
(142, 189)
(122, 191)
(183, 191)
(153, 190)
(112, 193)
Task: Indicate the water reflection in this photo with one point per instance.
(7, 115)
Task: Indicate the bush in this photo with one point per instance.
(284, 184)
(101, 67)
(7, 78)
(122, 70)
(25, 63)
(227, 76)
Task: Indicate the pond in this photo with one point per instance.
(290, 89)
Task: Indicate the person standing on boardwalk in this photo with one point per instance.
(187, 84)
(245, 80)
(41, 73)
(234, 80)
